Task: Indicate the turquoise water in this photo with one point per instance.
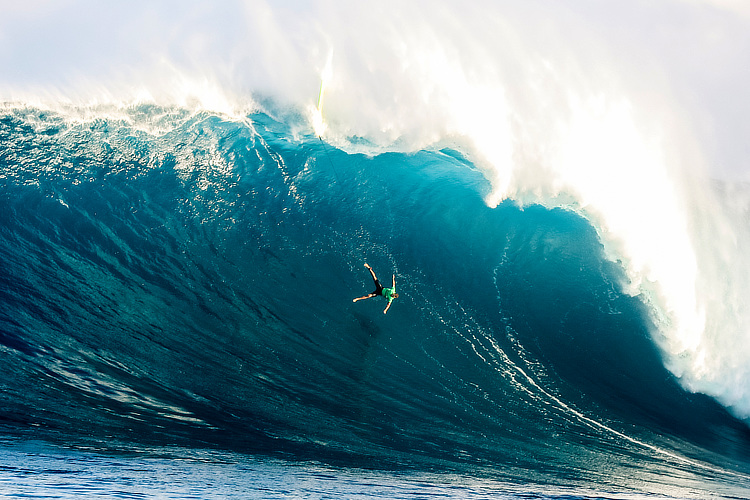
(37, 470)
(190, 291)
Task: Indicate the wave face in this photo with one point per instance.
(642, 132)
(177, 277)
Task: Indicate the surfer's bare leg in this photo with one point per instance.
(374, 278)
(369, 295)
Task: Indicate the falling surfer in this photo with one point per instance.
(388, 293)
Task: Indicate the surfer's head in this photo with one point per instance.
(395, 295)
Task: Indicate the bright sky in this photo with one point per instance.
(696, 50)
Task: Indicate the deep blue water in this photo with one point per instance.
(181, 281)
(33, 469)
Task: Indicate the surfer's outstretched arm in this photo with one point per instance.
(390, 301)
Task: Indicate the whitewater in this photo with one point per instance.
(190, 191)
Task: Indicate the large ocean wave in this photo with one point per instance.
(533, 96)
(195, 286)
(187, 212)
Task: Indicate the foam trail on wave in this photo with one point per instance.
(317, 113)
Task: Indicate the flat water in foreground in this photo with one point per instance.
(34, 469)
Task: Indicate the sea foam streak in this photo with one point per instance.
(553, 112)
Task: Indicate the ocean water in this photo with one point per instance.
(35, 470)
(190, 292)
(189, 192)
